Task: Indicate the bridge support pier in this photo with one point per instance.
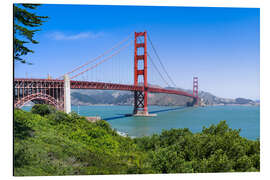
(67, 100)
(140, 104)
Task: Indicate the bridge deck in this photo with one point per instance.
(19, 82)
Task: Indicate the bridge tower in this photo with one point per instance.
(195, 90)
(140, 69)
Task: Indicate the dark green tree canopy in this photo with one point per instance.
(24, 29)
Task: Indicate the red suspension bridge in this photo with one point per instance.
(57, 91)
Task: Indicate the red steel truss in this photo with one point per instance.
(103, 86)
(51, 90)
(40, 90)
(123, 87)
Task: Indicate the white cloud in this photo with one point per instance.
(81, 35)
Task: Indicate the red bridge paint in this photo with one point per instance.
(140, 96)
(52, 90)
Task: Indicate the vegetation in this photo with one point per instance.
(25, 23)
(50, 142)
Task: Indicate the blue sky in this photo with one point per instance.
(219, 45)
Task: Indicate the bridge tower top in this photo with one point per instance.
(138, 56)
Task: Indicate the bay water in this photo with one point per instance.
(246, 118)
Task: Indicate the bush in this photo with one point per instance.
(43, 109)
(60, 117)
(219, 162)
(21, 127)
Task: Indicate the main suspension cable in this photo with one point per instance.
(100, 62)
(151, 60)
(98, 57)
(163, 67)
(155, 67)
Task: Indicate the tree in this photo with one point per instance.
(24, 29)
(42, 109)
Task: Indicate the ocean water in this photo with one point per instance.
(246, 118)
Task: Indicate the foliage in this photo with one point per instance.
(216, 149)
(42, 109)
(56, 143)
(25, 23)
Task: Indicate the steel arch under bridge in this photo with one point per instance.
(39, 91)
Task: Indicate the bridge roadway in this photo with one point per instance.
(54, 83)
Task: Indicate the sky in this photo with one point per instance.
(221, 46)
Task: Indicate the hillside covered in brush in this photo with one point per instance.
(50, 142)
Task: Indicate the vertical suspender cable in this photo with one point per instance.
(163, 67)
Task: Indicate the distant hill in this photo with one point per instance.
(94, 97)
(242, 101)
(111, 97)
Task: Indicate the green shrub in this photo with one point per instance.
(43, 109)
(21, 126)
(244, 163)
(219, 162)
(60, 117)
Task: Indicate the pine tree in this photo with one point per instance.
(24, 29)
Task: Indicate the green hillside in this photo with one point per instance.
(50, 142)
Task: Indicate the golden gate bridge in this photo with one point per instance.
(56, 91)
